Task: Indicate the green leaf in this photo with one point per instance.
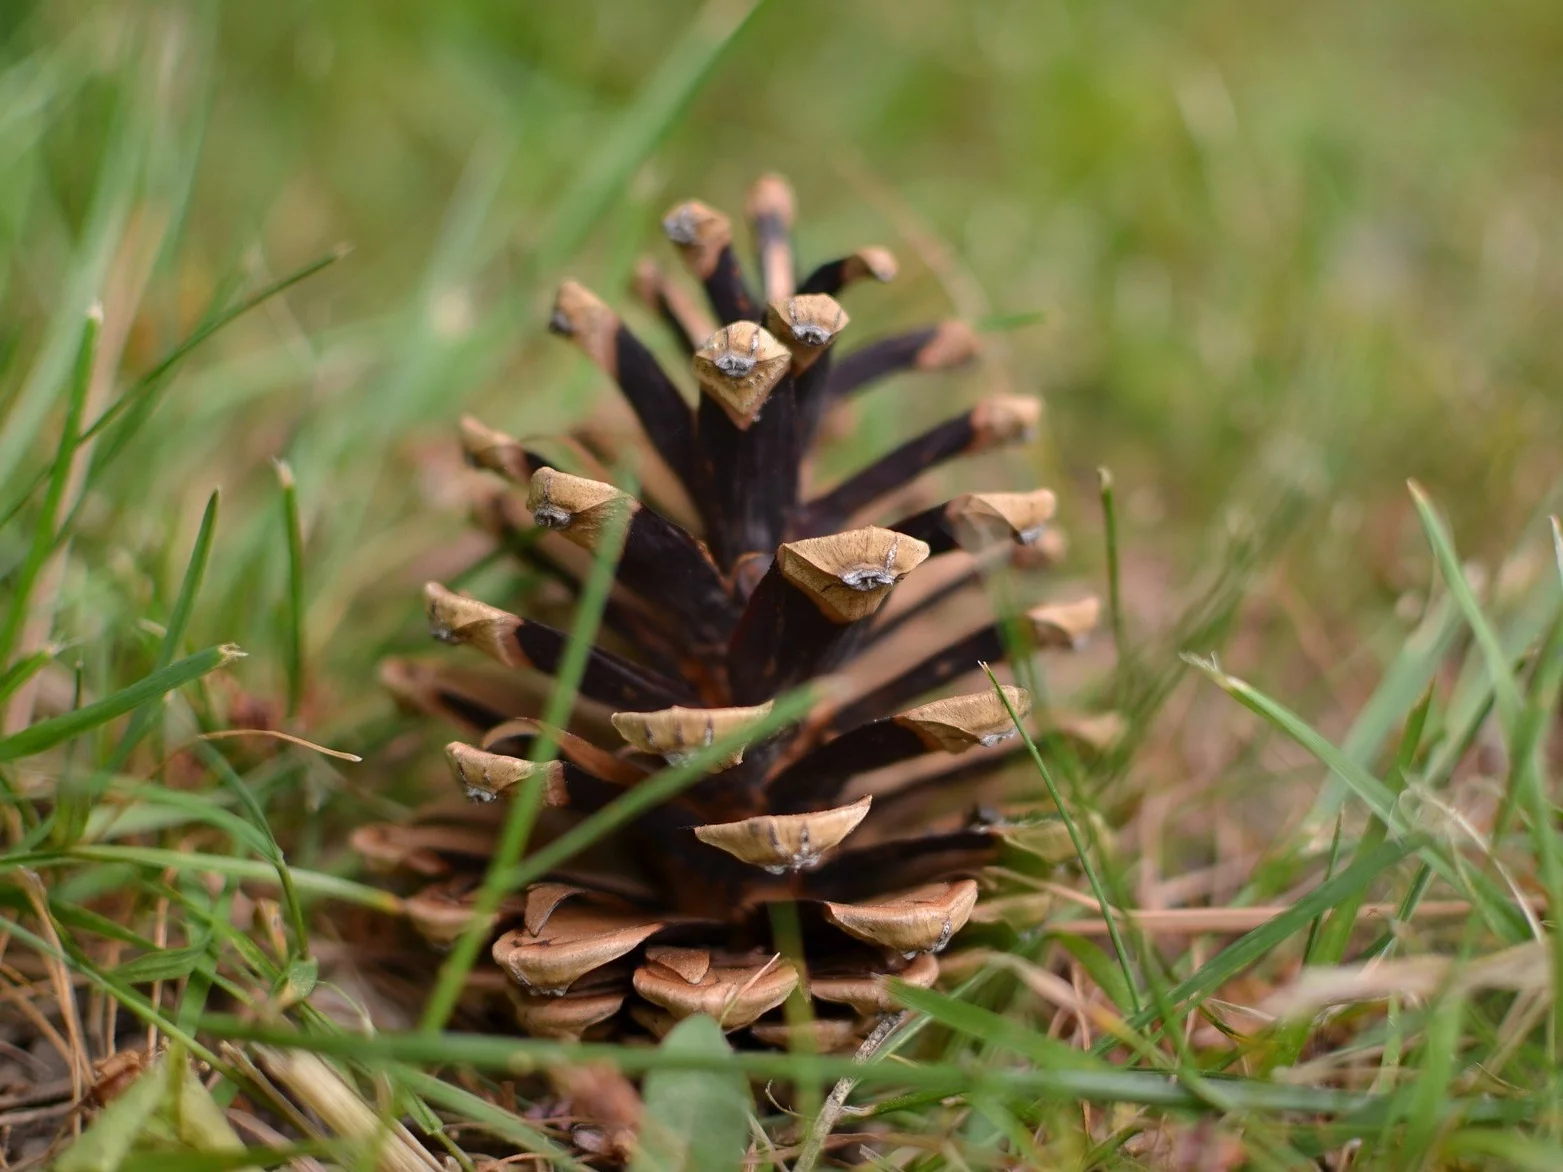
(48, 733)
(695, 1119)
(299, 980)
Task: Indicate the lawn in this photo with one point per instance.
(1287, 278)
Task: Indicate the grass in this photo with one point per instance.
(1266, 264)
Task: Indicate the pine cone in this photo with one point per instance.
(734, 584)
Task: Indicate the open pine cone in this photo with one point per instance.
(735, 583)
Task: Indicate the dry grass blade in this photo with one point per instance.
(1523, 968)
(1196, 921)
(78, 1060)
(279, 735)
(835, 1105)
(321, 1089)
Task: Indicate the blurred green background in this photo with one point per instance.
(1240, 248)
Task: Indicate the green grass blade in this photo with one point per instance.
(273, 852)
(178, 623)
(153, 381)
(246, 1159)
(1532, 785)
(651, 793)
(23, 670)
(650, 116)
(654, 791)
(293, 620)
(141, 807)
(59, 477)
(1337, 931)
(98, 241)
(46, 734)
(254, 870)
(1104, 480)
(520, 1056)
(994, 1029)
(1494, 904)
(1426, 1111)
(1254, 946)
(1410, 672)
(1499, 667)
(1373, 792)
(1077, 840)
(120, 992)
(494, 1120)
